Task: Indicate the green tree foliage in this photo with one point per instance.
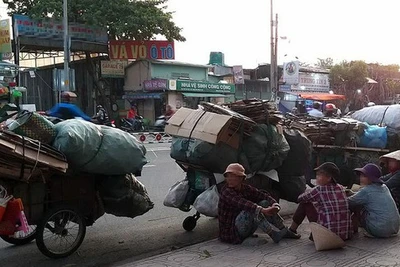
(124, 19)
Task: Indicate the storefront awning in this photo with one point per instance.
(321, 96)
(142, 96)
(204, 95)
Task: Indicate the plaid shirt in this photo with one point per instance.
(332, 206)
(231, 203)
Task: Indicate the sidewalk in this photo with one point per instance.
(262, 252)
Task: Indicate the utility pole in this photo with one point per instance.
(66, 46)
(272, 66)
(276, 69)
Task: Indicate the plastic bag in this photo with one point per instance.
(177, 194)
(374, 137)
(207, 202)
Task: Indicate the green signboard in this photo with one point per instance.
(204, 87)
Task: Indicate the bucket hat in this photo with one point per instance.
(331, 169)
(372, 171)
(236, 169)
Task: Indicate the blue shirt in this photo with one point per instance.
(382, 217)
(316, 113)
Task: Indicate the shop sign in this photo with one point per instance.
(191, 86)
(238, 74)
(291, 72)
(113, 68)
(142, 50)
(314, 82)
(53, 29)
(5, 37)
(155, 85)
(141, 95)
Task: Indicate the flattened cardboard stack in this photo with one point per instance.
(22, 158)
(260, 111)
(237, 120)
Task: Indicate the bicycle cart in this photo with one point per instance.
(58, 210)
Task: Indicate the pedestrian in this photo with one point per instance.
(325, 204)
(316, 110)
(392, 179)
(242, 209)
(374, 207)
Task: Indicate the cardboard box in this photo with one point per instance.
(206, 126)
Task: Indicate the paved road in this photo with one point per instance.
(113, 239)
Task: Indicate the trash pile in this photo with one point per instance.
(33, 148)
(248, 132)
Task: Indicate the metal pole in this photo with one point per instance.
(66, 47)
(272, 67)
(276, 69)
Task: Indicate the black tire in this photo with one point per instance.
(63, 216)
(189, 223)
(20, 240)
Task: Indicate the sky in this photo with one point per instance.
(342, 29)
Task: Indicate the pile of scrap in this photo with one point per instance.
(327, 131)
(238, 120)
(23, 158)
(260, 111)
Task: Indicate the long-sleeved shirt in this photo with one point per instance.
(382, 218)
(332, 206)
(231, 203)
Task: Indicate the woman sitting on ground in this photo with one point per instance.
(243, 208)
(392, 179)
(374, 207)
(325, 204)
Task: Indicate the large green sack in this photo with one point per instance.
(265, 149)
(214, 158)
(99, 149)
(124, 196)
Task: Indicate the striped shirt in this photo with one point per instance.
(332, 206)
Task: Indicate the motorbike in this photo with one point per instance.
(136, 126)
(160, 123)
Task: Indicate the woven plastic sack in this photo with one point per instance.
(99, 149)
(207, 202)
(35, 126)
(176, 194)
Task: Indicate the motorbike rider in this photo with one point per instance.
(102, 115)
(330, 110)
(169, 112)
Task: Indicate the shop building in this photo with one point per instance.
(153, 84)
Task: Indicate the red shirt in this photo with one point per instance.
(332, 206)
(131, 114)
(231, 203)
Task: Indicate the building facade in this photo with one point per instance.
(150, 85)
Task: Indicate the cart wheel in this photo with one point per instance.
(189, 223)
(60, 233)
(21, 238)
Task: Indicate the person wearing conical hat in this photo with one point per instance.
(392, 179)
(378, 212)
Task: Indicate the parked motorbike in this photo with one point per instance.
(136, 126)
(160, 123)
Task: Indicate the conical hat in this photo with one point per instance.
(393, 155)
(325, 239)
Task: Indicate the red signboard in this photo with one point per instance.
(124, 50)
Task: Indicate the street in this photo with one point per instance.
(112, 239)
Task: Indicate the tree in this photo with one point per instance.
(124, 19)
(349, 77)
(326, 63)
(388, 78)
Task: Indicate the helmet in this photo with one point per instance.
(371, 104)
(330, 107)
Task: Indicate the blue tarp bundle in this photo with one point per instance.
(67, 111)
